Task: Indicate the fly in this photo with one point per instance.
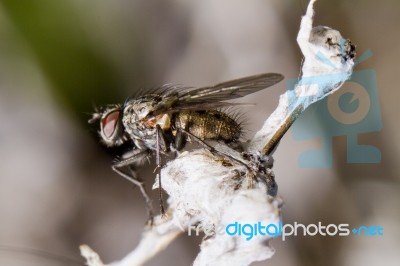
(165, 119)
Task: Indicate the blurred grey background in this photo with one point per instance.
(60, 58)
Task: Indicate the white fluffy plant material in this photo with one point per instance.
(220, 188)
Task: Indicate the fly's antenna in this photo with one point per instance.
(96, 115)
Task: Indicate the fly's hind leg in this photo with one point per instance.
(136, 158)
(180, 139)
(250, 174)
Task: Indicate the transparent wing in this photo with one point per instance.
(213, 97)
(231, 89)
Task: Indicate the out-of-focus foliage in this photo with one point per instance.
(67, 54)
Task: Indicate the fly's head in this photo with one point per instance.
(111, 128)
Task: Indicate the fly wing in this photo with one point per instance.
(213, 97)
(231, 89)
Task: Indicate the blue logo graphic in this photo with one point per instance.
(368, 231)
(350, 111)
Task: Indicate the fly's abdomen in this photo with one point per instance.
(211, 124)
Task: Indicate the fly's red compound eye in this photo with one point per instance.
(109, 124)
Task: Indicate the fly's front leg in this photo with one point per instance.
(136, 158)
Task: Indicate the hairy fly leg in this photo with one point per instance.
(162, 143)
(251, 173)
(180, 139)
(135, 159)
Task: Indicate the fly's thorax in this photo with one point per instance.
(135, 112)
(209, 124)
(139, 122)
(139, 108)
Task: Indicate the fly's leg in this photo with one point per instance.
(161, 143)
(180, 139)
(133, 178)
(212, 149)
(138, 182)
(251, 174)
